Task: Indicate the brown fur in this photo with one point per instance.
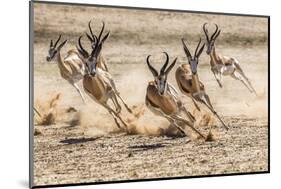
(70, 68)
(185, 81)
(218, 59)
(163, 102)
(95, 86)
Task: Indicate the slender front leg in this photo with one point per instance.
(214, 112)
(208, 100)
(118, 95)
(195, 104)
(217, 79)
(173, 122)
(116, 114)
(115, 103)
(180, 119)
(79, 91)
(188, 114)
(126, 106)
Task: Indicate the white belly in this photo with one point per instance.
(227, 70)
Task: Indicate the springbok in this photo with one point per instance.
(101, 61)
(99, 84)
(188, 80)
(223, 65)
(162, 98)
(71, 66)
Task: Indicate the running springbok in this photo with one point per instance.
(71, 66)
(223, 65)
(188, 80)
(101, 61)
(162, 98)
(99, 85)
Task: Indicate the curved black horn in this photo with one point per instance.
(51, 43)
(89, 25)
(85, 53)
(154, 72)
(185, 49)
(170, 67)
(162, 71)
(217, 34)
(212, 37)
(101, 32)
(200, 51)
(206, 31)
(195, 53)
(57, 41)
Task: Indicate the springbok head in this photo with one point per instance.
(91, 59)
(161, 79)
(211, 40)
(193, 61)
(54, 49)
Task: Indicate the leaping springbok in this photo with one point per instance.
(188, 80)
(99, 85)
(162, 98)
(101, 61)
(71, 66)
(223, 65)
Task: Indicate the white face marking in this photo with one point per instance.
(161, 84)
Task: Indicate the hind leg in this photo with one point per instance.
(239, 70)
(238, 76)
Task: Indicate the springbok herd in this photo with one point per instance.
(161, 97)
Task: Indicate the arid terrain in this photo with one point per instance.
(74, 142)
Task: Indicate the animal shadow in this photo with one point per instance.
(77, 140)
(145, 147)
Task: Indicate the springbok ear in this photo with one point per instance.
(153, 70)
(200, 51)
(62, 44)
(170, 67)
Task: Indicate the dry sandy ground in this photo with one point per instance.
(86, 146)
